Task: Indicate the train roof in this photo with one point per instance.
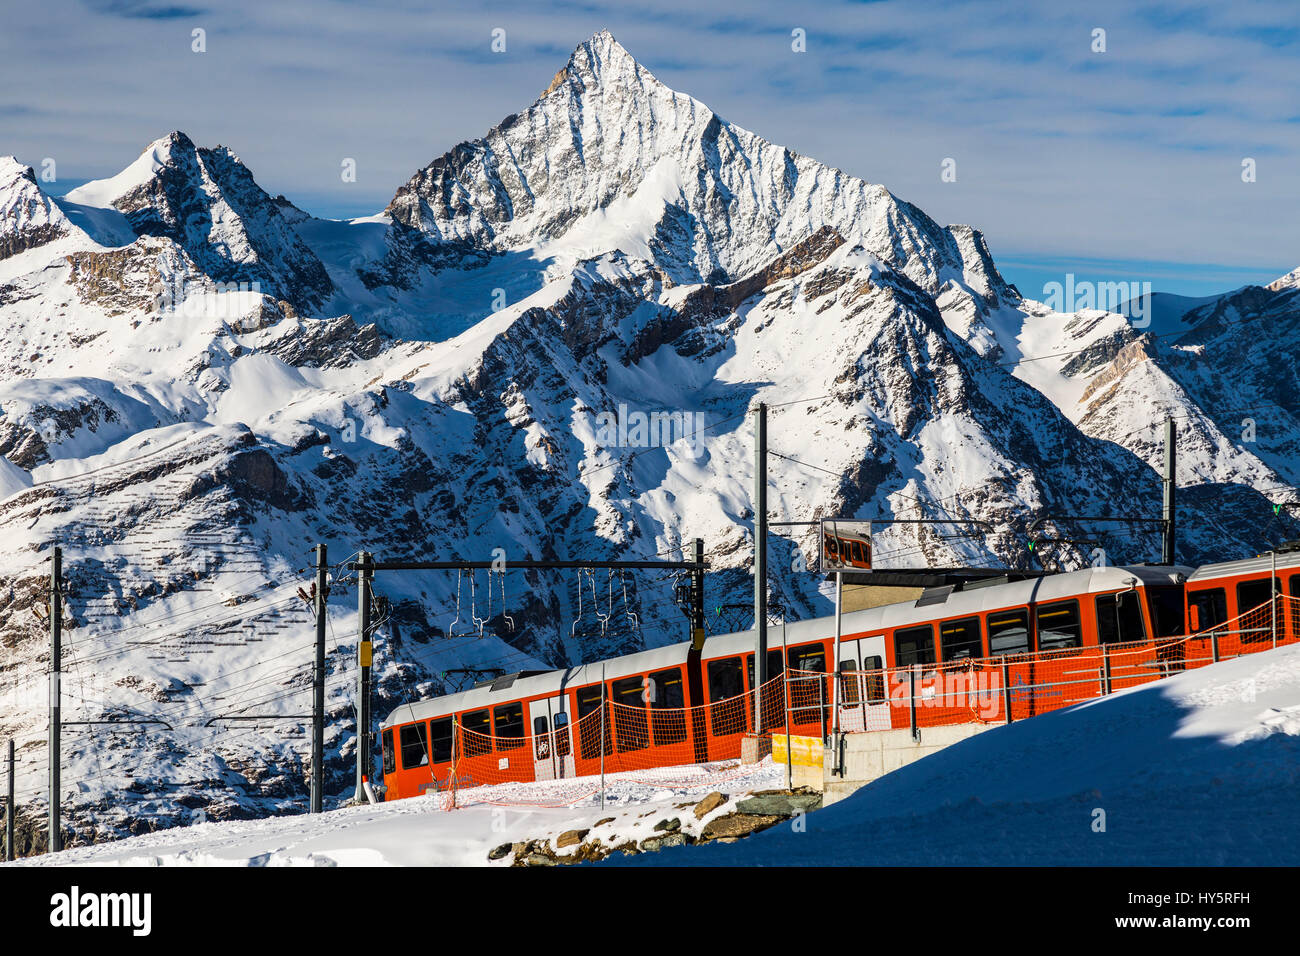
(1260, 564)
(931, 606)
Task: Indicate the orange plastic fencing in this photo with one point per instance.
(987, 690)
(690, 746)
(638, 744)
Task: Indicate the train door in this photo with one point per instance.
(550, 737)
(863, 703)
(1293, 606)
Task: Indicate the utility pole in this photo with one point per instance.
(10, 853)
(1169, 517)
(760, 559)
(318, 685)
(834, 671)
(365, 574)
(697, 594)
(56, 663)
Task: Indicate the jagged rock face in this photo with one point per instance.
(206, 201)
(438, 384)
(715, 202)
(136, 278)
(28, 218)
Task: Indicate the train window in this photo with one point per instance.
(808, 659)
(476, 733)
(914, 645)
(1166, 610)
(875, 682)
(1009, 632)
(726, 690)
(508, 722)
(809, 695)
(440, 739)
(1059, 626)
(631, 730)
(667, 718)
(390, 759)
(724, 679)
(775, 666)
(851, 682)
(562, 734)
(666, 689)
(1211, 608)
(1119, 618)
(414, 751)
(1254, 602)
(961, 639)
(630, 691)
(541, 738)
(589, 701)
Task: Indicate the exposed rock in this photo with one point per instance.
(28, 218)
(736, 825)
(653, 844)
(668, 825)
(779, 803)
(709, 804)
(570, 837)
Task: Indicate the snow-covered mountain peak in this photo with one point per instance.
(609, 158)
(602, 61)
(28, 217)
(206, 200)
(1289, 281)
(158, 155)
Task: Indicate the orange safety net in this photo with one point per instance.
(1022, 685)
(640, 744)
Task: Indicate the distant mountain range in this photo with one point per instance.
(202, 380)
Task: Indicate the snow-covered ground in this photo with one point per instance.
(1202, 769)
(422, 832)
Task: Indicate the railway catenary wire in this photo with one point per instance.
(161, 639)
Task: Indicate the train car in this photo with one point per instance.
(678, 704)
(1231, 604)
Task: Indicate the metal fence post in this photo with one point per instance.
(455, 754)
(602, 736)
(11, 853)
(911, 684)
(1273, 601)
(1105, 669)
(1006, 690)
(1214, 645)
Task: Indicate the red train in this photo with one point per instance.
(679, 704)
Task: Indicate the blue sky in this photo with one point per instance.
(1123, 164)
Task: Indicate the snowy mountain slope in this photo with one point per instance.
(435, 381)
(1192, 771)
(207, 202)
(1117, 377)
(28, 218)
